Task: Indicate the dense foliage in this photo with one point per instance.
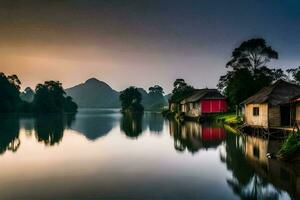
(181, 90)
(9, 93)
(131, 100)
(155, 98)
(291, 146)
(48, 97)
(248, 71)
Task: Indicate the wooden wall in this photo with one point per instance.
(193, 109)
(298, 112)
(261, 120)
(274, 116)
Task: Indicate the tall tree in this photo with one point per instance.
(155, 100)
(9, 93)
(249, 72)
(252, 54)
(181, 90)
(50, 97)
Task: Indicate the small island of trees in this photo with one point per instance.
(131, 100)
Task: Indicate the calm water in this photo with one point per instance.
(98, 154)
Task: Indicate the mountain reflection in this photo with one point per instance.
(9, 133)
(193, 136)
(245, 157)
(95, 123)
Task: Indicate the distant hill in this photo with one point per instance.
(97, 94)
(94, 94)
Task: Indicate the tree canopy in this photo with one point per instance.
(248, 71)
(50, 97)
(9, 93)
(156, 89)
(252, 54)
(131, 99)
(181, 90)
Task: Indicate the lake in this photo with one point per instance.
(100, 154)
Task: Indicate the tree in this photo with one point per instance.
(155, 99)
(50, 97)
(9, 93)
(131, 100)
(252, 54)
(156, 89)
(249, 72)
(181, 90)
(294, 74)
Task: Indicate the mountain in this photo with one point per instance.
(94, 94)
(97, 94)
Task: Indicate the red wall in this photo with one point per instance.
(213, 133)
(213, 105)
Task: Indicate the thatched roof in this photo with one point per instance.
(203, 94)
(280, 92)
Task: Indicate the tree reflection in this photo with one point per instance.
(156, 122)
(9, 133)
(49, 129)
(193, 136)
(131, 124)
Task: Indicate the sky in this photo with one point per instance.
(139, 42)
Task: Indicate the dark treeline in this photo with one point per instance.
(48, 97)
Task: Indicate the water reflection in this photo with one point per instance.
(50, 129)
(9, 133)
(254, 175)
(236, 165)
(193, 136)
(134, 125)
(95, 123)
(131, 124)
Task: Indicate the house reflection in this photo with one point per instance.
(193, 136)
(281, 174)
(254, 175)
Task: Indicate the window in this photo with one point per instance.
(256, 151)
(255, 111)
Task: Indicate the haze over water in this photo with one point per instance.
(101, 154)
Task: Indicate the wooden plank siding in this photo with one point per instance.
(274, 116)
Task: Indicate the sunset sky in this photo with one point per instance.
(139, 42)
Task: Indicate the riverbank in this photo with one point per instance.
(291, 147)
(227, 118)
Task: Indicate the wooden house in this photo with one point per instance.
(203, 101)
(271, 106)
